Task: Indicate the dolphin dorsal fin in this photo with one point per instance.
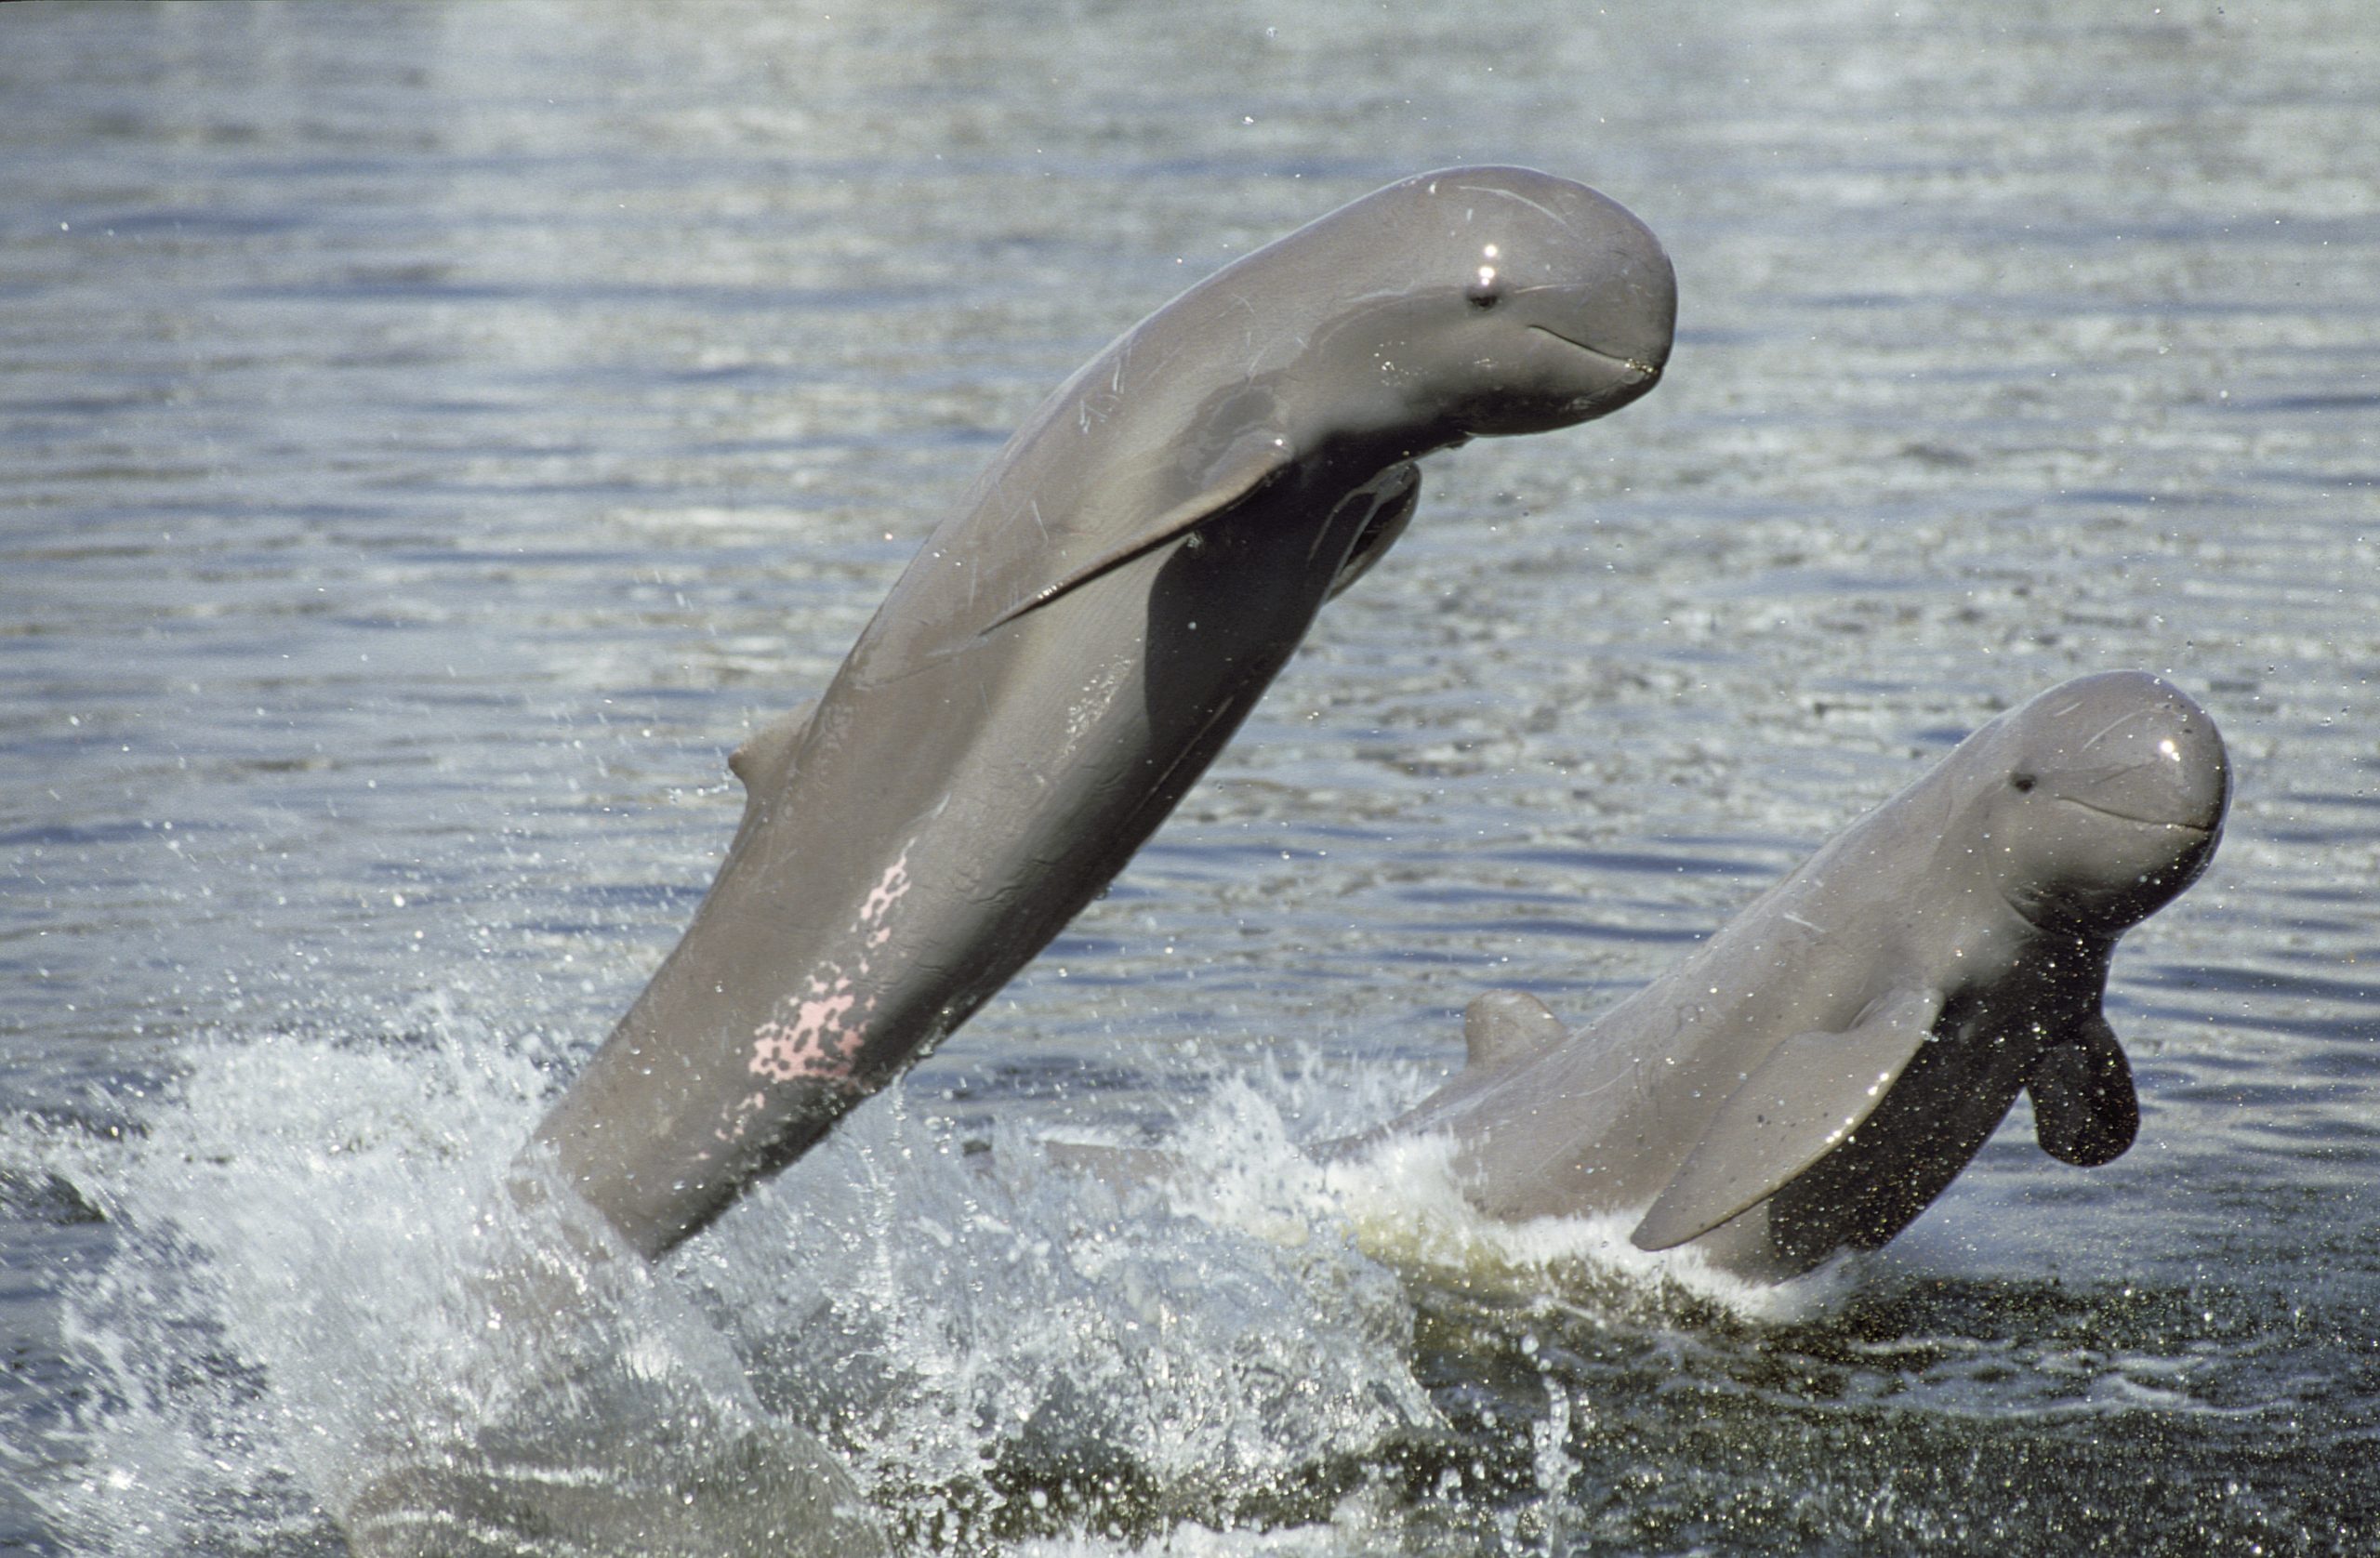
(2086, 1110)
(761, 761)
(1798, 1105)
(1504, 1025)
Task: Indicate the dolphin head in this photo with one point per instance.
(2103, 797)
(1479, 301)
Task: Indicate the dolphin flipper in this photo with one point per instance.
(2084, 1109)
(1252, 463)
(1504, 1025)
(1796, 1106)
(1400, 495)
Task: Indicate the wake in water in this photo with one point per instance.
(324, 1312)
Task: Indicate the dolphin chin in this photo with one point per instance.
(1073, 646)
(1638, 381)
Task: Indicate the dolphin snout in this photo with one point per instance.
(2179, 785)
(2171, 774)
(2135, 746)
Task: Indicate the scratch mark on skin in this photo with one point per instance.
(2115, 725)
(1165, 362)
(1554, 217)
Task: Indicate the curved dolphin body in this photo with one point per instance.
(1815, 1074)
(1072, 647)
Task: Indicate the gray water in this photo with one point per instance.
(431, 436)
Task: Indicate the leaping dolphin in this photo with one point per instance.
(1820, 1069)
(1075, 644)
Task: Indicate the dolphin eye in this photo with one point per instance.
(2022, 782)
(1485, 291)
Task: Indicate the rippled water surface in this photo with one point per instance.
(430, 436)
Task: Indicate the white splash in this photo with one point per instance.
(320, 1300)
(324, 1303)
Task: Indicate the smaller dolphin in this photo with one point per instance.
(1819, 1070)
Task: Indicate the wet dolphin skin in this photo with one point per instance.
(1073, 645)
(1821, 1068)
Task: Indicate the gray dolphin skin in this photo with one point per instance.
(1073, 645)
(1819, 1070)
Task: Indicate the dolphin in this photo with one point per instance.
(1073, 645)
(1820, 1069)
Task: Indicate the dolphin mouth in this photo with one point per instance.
(1637, 370)
(2135, 818)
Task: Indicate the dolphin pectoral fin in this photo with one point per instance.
(761, 761)
(2086, 1110)
(1799, 1104)
(1399, 493)
(1504, 1025)
(1253, 465)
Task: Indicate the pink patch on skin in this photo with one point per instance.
(747, 1109)
(817, 1043)
(817, 1037)
(888, 892)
